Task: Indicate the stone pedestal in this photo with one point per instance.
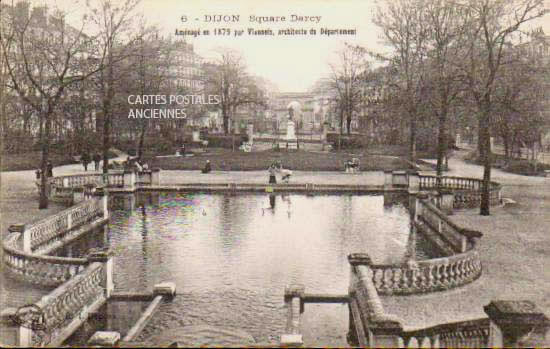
(250, 133)
(155, 176)
(20, 228)
(129, 179)
(516, 324)
(196, 136)
(104, 339)
(446, 201)
(105, 257)
(388, 177)
(165, 289)
(295, 307)
(290, 131)
(414, 182)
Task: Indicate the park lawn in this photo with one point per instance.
(226, 160)
(31, 160)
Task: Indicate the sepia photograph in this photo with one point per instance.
(275, 173)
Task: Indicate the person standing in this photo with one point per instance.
(50, 169)
(85, 160)
(96, 159)
(272, 174)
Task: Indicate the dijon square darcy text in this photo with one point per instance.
(228, 18)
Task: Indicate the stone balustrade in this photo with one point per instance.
(54, 228)
(126, 178)
(429, 275)
(466, 191)
(509, 323)
(435, 220)
(26, 249)
(463, 334)
(38, 269)
(65, 308)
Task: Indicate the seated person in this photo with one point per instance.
(352, 165)
(207, 167)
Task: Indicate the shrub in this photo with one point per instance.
(352, 141)
(223, 141)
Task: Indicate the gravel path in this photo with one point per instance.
(515, 252)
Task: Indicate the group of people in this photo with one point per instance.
(352, 166)
(49, 169)
(86, 159)
(275, 168)
(136, 164)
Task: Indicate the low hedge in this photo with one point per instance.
(225, 141)
(352, 141)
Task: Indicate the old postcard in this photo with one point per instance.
(305, 173)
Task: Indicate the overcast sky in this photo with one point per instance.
(293, 63)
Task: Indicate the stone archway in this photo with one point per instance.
(301, 104)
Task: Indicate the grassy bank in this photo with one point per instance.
(31, 160)
(517, 166)
(226, 160)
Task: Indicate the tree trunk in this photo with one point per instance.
(107, 103)
(225, 120)
(485, 142)
(45, 144)
(506, 142)
(348, 123)
(412, 140)
(141, 139)
(441, 143)
(106, 138)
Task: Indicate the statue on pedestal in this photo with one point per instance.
(290, 129)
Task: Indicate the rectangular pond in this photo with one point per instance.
(231, 256)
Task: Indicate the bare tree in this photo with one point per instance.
(519, 100)
(228, 78)
(447, 25)
(404, 30)
(115, 42)
(493, 24)
(43, 56)
(347, 82)
(153, 59)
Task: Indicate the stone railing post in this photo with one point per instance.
(446, 201)
(105, 257)
(414, 182)
(65, 182)
(104, 339)
(516, 324)
(294, 302)
(78, 195)
(104, 195)
(388, 179)
(384, 330)
(418, 207)
(14, 334)
(129, 179)
(155, 176)
(25, 234)
(165, 289)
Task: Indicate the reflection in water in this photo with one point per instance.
(231, 261)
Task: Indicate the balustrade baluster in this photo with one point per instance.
(404, 281)
(396, 277)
